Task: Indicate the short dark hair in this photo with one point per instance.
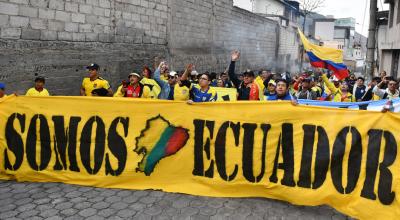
(223, 74)
(390, 78)
(282, 80)
(40, 79)
(378, 79)
(362, 78)
(148, 69)
(207, 74)
(213, 75)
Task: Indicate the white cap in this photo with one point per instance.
(135, 74)
(194, 73)
(172, 73)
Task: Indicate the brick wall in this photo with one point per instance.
(57, 38)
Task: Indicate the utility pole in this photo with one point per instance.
(371, 39)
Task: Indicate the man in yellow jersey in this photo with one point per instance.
(39, 89)
(94, 81)
(173, 88)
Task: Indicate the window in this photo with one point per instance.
(391, 15)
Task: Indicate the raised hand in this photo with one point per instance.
(162, 65)
(235, 56)
(189, 67)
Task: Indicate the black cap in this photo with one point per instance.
(40, 78)
(248, 73)
(93, 66)
(100, 92)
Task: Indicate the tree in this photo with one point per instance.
(310, 6)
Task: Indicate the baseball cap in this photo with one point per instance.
(194, 73)
(40, 78)
(272, 82)
(2, 85)
(135, 74)
(172, 73)
(100, 92)
(248, 73)
(93, 66)
(335, 79)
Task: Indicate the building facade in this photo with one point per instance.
(388, 40)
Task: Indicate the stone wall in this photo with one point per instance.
(205, 32)
(57, 38)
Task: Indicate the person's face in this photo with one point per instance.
(392, 85)
(265, 74)
(374, 83)
(204, 81)
(352, 77)
(344, 87)
(164, 69)
(271, 87)
(247, 79)
(92, 73)
(382, 74)
(1, 93)
(172, 80)
(39, 84)
(281, 88)
(220, 83)
(224, 77)
(146, 73)
(241, 77)
(133, 79)
(305, 85)
(360, 82)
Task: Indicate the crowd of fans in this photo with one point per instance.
(190, 86)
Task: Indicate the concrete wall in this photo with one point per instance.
(324, 30)
(57, 38)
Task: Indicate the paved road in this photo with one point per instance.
(61, 201)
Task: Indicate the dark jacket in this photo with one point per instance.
(244, 92)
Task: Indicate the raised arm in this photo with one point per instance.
(188, 70)
(157, 75)
(329, 84)
(235, 56)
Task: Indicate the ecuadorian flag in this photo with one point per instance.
(325, 57)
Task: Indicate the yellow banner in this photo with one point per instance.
(226, 94)
(304, 155)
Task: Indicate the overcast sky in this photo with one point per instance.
(339, 9)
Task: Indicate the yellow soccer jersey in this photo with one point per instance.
(98, 83)
(34, 92)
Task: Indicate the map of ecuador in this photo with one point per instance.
(158, 140)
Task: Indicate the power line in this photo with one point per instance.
(365, 13)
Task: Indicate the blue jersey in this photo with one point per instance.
(275, 97)
(199, 96)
